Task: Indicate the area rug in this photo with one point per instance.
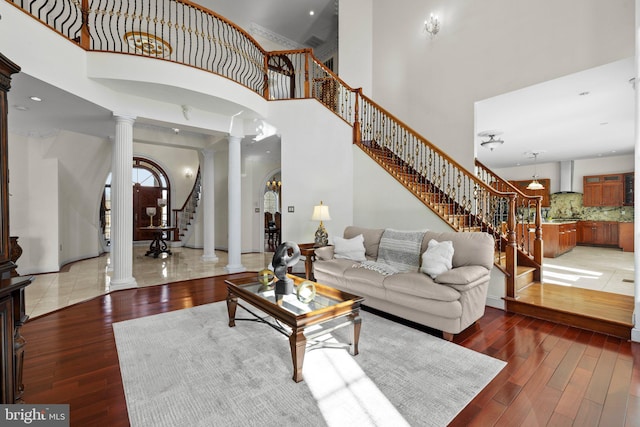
(189, 368)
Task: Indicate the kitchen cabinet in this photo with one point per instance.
(546, 182)
(625, 236)
(603, 233)
(603, 190)
(558, 238)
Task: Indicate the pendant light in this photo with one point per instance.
(535, 185)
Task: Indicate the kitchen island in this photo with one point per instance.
(559, 237)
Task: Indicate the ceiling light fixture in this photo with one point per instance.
(535, 185)
(432, 25)
(311, 13)
(491, 143)
(35, 98)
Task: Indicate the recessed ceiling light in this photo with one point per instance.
(20, 107)
(175, 130)
(311, 13)
(35, 98)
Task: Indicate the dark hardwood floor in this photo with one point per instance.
(556, 375)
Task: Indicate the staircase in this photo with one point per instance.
(185, 216)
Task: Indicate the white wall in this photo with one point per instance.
(317, 165)
(484, 48)
(355, 48)
(380, 201)
(34, 214)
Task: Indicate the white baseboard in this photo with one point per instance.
(495, 302)
(635, 334)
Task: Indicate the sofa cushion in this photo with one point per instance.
(400, 249)
(363, 276)
(471, 248)
(352, 249)
(437, 258)
(462, 275)
(371, 238)
(444, 309)
(333, 267)
(419, 285)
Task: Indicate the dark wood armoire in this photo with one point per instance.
(12, 308)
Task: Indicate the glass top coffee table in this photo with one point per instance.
(329, 310)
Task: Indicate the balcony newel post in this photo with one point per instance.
(85, 38)
(357, 137)
(265, 90)
(306, 73)
(512, 248)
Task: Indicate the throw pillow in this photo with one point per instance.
(352, 249)
(437, 258)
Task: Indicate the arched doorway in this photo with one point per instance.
(150, 185)
(272, 208)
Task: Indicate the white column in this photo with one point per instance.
(122, 205)
(235, 207)
(635, 332)
(208, 206)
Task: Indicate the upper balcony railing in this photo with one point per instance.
(189, 34)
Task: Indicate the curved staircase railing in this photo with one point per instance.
(184, 215)
(189, 34)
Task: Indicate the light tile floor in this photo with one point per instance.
(89, 278)
(604, 269)
(600, 269)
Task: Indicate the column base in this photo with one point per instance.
(116, 285)
(210, 258)
(235, 268)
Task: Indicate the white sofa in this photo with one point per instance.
(450, 301)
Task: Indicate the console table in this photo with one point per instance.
(158, 245)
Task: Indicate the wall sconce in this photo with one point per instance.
(188, 173)
(432, 25)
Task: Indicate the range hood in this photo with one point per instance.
(566, 177)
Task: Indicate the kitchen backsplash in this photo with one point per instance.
(569, 205)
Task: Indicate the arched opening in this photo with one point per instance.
(272, 208)
(151, 189)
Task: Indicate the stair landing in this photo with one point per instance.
(598, 311)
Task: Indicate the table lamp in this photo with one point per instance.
(321, 213)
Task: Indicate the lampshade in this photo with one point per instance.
(321, 213)
(535, 185)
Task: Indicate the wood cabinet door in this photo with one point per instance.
(612, 193)
(592, 194)
(587, 232)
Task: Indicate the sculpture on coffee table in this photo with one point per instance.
(281, 261)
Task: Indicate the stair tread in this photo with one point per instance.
(590, 303)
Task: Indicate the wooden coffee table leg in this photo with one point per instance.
(232, 303)
(357, 322)
(298, 343)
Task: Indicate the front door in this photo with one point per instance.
(144, 197)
